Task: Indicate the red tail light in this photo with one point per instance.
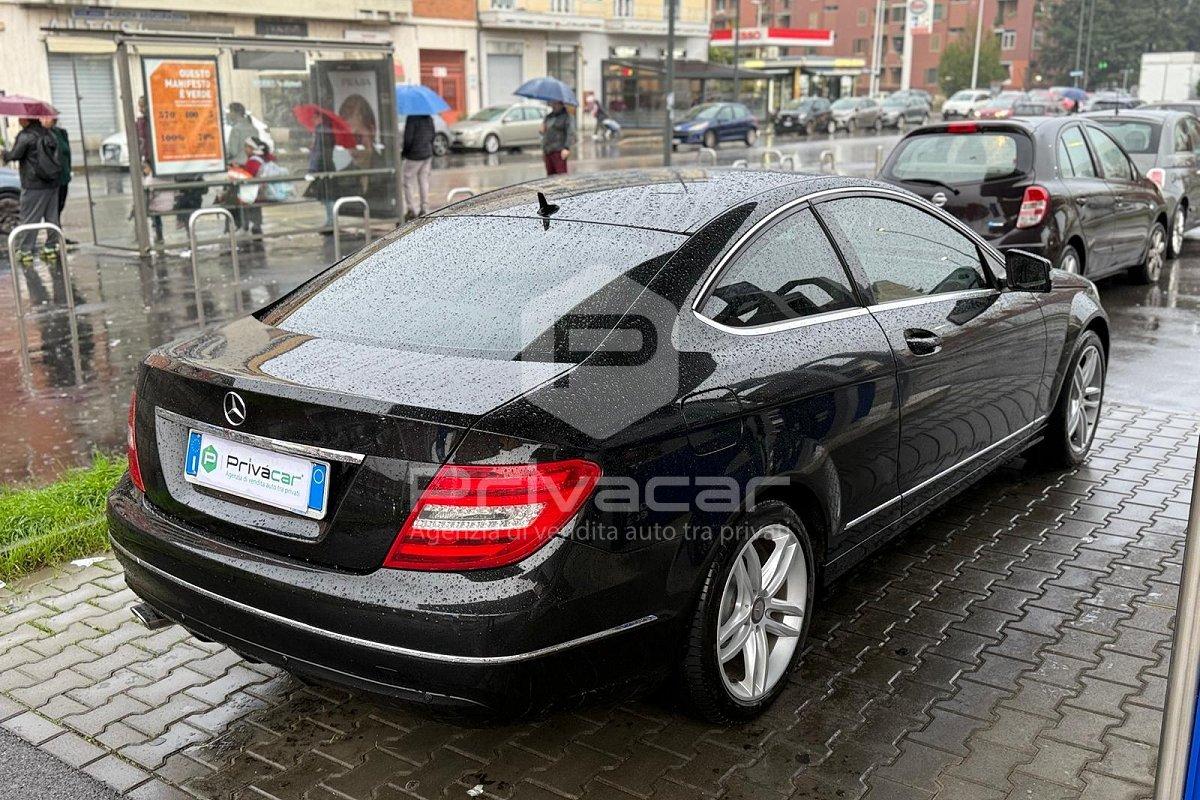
(477, 515)
(135, 469)
(1034, 207)
(1158, 175)
(962, 127)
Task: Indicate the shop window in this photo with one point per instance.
(624, 8)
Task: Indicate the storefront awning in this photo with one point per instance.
(688, 70)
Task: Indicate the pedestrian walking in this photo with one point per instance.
(64, 155)
(258, 155)
(36, 151)
(558, 137)
(240, 129)
(419, 134)
(320, 162)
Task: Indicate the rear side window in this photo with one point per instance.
(903, 251)
(1134, 135)
(962, 157)
(1183, 142)
(1114, 162)
(482, 286)
(1079, 161)
(790, 271)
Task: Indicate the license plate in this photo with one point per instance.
(299, 485)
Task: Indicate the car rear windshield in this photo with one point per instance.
(483, 286)
(962, 157)
(1136, 136)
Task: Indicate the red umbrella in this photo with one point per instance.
(18, 105)
(310, 114)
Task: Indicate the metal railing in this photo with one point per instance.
(741, 163)
(68, 287)
(193, 245)
(337, 223)
(767, 154)
(459, 191)
(878, 158)
(828, 162)
(792, 161)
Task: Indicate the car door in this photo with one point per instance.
(726, 129)
(810, 368)
(530, 126)
(1091, 198)
(1190, 175)
(1134, 204)
(970, 356)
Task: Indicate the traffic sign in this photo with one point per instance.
(1076, 73)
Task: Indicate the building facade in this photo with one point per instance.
(1014, 22)
(572, 39)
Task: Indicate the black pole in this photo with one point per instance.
(1079, 42)
(669, 100)
(1087, 48)
(737, 45)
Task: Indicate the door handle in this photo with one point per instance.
(1082, 201)
(922, 342)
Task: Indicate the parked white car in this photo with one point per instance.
(965, 103)
(114, 151)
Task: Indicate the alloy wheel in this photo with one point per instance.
(1083, 404)
(1070, 261)
(1156, 253)
(762, 612)
(1178, 222)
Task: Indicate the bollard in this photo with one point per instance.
(828, 162)
(68, 286)
(878, 158)
(464, 191)
(706, 151)
(214, 211)
(337, 226)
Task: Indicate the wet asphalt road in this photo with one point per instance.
(27, 773)
(54, 416)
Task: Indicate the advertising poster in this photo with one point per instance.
(920, 16)
(184, 115)
(356, 100)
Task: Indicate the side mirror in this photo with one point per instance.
(1027, 272)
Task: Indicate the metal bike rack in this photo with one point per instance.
(792, 161)
(459, 191)
(828, 162)
(766, 156)
(337, 226)
(706, 152)
(878, 158)
(214, 211)
(741, 163)
(68, 286)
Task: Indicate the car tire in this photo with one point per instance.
(1066, 444)
(831, 127)
(10, 213)
(751, 137)
(901, 123)
(878, 124)
(851, 126)
(491, 144)
(710, 140)
(713, 688)
(1178, 227)
(441, 144)
(925, 119)
(1156, 253)
(1070, 260)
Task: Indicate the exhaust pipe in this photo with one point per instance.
(148, 615)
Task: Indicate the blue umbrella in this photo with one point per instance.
(548, 90)
(415, 99)
(1074, 94)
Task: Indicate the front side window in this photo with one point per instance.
(1112, 160)
(790, 271)
(903, 251)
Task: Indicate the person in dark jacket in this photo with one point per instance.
(419, 134)
(39, 195)
(558, 137)
(320, 160)
(64, 155)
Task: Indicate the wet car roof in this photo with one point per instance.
(679, 200)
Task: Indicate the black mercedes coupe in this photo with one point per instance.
(585, 434)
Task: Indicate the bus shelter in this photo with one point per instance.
(196, 108)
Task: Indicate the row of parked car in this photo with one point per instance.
(982, 104)
(1097, 193)
(809, 115)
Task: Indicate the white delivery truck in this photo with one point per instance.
(1168, 77)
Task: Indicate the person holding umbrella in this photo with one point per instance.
(558, 128)
(417, 104)
(36, 151)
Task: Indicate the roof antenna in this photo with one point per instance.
(545, 207)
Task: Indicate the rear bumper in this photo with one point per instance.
(396, 633)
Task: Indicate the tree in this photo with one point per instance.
(954, 70)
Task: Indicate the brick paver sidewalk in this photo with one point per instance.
(1016, 645)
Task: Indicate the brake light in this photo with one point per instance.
(962, 127)
(1034, 206)
(1158, 175)
(135, 468)
(476, 516)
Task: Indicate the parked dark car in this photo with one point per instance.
(1000, 106)
(1165, 146)
(1107, 101)
(900, 112)
(709, 124)
(1038, 108)
(1186, 106)
(807, 115)
(10, 201)
(484, 515)
(1061, 187)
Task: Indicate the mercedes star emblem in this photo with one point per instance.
(938, 199)
(235, 409)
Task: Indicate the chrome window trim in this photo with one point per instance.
(787, 324)
(909, 492)
(812, 199)
(383, 646)
(920, 300)
(265, 442)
